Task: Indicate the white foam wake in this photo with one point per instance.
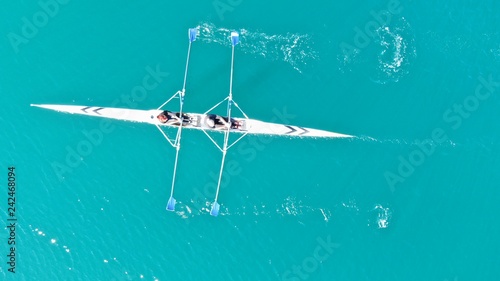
(292, 48)
(397, 51)
(388, 55)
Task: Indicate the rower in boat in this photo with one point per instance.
(220, 122)
(217, 122)
(186, 119)
(173, 118)
(234, 124)
(168, 117)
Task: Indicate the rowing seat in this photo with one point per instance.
(196, 120)
(243, 126)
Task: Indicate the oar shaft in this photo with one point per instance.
(231, 77)
(175, 171)
(186, 70)
(226, 133)
(180, 94)
(220, 175)
(177, 143)
(215, 206)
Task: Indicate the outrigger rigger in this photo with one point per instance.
(205, 122)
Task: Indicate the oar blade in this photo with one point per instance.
(235, 38)
(192, 33)
(171, 204)
(215, 209)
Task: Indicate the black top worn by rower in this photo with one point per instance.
(218, 120)
(171, 117)
(186, 119)
(168, 114)
(234, 124)
(222, 121)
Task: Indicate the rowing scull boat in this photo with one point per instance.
(196, 121)
(204, 122)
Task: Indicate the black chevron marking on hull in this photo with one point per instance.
(291, 130)
(97, 110)
(305, 131)
(85, 109)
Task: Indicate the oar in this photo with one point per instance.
(235, 38)
(192, 33)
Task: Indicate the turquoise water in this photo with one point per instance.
(413, 197)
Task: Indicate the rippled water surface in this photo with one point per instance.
(414, 196)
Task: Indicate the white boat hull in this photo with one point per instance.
(199, 121)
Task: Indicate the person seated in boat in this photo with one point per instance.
(234, 124)
(168, 117)
(186, 119)
(218, 122)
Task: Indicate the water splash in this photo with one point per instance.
(292, 48)
(391, 50)
(391, 58)
(396, 51)
(290, 206)
(351, 205)
(382, 216)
